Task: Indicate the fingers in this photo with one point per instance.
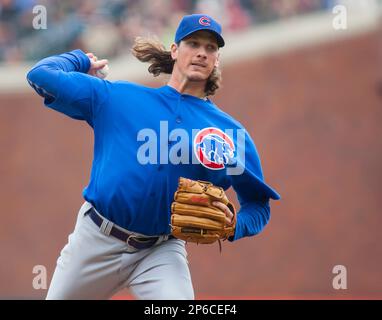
(92, 56)
(100, 64)
(95, 63)
(226, 210)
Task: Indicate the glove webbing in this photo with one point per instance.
(187, 229)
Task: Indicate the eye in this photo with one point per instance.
(193, 43)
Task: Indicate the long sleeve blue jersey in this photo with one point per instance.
(146, 138)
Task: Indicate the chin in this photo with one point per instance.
(196, 76)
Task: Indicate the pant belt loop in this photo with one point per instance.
(162, 238)
(106, 227)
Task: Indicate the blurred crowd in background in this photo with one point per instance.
(109, 28)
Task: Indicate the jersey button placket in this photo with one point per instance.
(178, 118)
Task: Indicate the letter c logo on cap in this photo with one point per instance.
(204, 21)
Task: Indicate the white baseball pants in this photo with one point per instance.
(93, 265)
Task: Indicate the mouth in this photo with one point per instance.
(199, 64)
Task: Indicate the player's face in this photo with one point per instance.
(196, 56)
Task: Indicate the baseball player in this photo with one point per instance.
(145, 139)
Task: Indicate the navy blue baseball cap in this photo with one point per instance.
(195, 22)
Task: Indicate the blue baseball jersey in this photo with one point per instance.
(146, 138)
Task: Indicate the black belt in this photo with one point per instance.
(134, 241)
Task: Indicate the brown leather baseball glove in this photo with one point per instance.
(194, 218)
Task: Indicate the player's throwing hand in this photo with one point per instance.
(96, 66)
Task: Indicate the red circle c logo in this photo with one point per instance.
(204, 21)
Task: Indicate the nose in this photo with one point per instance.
(202, 53)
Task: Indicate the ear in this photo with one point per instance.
(174, 51)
